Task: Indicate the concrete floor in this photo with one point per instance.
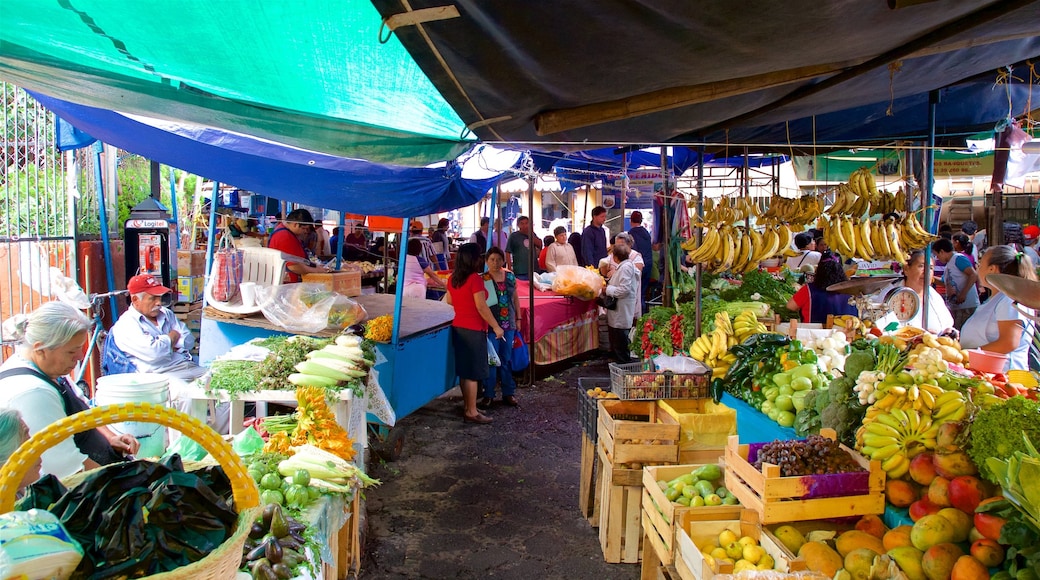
(488, 501)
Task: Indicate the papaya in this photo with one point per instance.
(855, 539)
(821, 558)
(711, 472)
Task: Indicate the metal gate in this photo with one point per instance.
(37, 206)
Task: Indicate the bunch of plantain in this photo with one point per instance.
(796, 211)
(737, 249)
(865, 239)
(730, 210)
(860, 196)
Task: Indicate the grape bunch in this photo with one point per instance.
(815, 455)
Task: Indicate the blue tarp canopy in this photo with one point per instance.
(278, 170)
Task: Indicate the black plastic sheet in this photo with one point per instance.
(140, 518)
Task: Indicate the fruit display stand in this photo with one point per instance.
(809, 497)
(660, 516)
(624, 447)
(692, 534)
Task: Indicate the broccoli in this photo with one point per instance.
(857, 362)
(823, 398)
(997, 431)
(844, 420)
(841, 389)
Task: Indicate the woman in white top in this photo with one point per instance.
(807, 254)
(939, 317)
(560, 253)
(418, 274)
(33, 382)
(624, 285)
(998, 325)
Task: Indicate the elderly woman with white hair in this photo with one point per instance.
(33, 382)
(14, 432)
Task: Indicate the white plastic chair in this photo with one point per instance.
(262, 266)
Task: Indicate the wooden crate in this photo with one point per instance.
(620, 532)
(660, 516)
(588, 484)
(347, 283)
(811, 497)
(657, 435)
(692, 534)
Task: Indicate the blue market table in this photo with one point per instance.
(753, 426)
(417, 369)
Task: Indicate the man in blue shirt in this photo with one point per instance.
(594, 237)
(644, 246)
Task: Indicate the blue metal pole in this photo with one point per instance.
(211, 234)
(173, 210)
(106, 247)
(926, 194)
(402, 252)
(339, 240)
(491, 218)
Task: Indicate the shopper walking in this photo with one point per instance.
(624, 286)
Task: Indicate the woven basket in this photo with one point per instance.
(222, 563)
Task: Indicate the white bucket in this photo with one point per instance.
(136, 388)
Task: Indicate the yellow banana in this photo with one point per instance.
(883, 430)
(878, 441)
(894, 462)
(886, 452)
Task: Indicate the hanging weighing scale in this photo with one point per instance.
(903, 302)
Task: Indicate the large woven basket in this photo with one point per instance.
(222, 563)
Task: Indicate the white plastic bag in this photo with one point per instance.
(679, 364)
(34, 545)
(297, 307)
(493, 359)
(578, 282)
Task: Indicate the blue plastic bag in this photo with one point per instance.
(521, 354)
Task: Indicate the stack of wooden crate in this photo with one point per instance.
(632, 434)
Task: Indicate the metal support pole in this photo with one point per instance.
(173, 210)
(531, 263)
(106, 246)
(339, 239)
(402, 253)
(700, 232)
(926, 198)
(211, 232)
(666, 281)
(495, 193)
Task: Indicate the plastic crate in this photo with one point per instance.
(588, 409)
(640, 381)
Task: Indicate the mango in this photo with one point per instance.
(938, 561)
(931, 530)
(791, 538)
(820, 558)
(856, 539)
(968, 568)
(961, 521)
(909, 560)
(858, 562)
(897, 537)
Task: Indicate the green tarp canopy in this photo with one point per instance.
(308, 73)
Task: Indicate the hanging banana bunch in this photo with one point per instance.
(799, 211)
(737, 249)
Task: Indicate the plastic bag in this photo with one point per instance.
(246, 443)
(141, 518)
(493, 359)
(187, 448)
(226, 270)
(345, 313)
(297, 307)
(680, 364)
(703, 424)
(35, 546)
(578, 282)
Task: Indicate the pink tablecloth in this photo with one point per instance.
(550, 310)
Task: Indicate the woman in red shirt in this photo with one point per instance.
(467, 296)
(288, 237)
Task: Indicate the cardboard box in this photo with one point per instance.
(347, 283)
(191, 263)
(191, 288)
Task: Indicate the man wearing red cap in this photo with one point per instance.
(157, 342)
(1031, 233)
